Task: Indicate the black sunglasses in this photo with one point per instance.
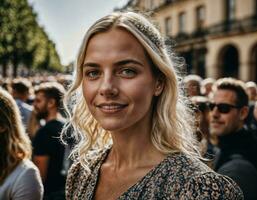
(200, 107)
(223, 107)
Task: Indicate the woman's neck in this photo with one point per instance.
(133, 149)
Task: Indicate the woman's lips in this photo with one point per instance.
(111, 108)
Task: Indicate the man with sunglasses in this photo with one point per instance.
(237, 146)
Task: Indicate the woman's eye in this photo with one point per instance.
(127, 73)
(92, 74)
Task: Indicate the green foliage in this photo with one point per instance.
(23, 41)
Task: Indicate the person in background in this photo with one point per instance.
(6, 85)
(193, 85)
(19, 177)
(207, 141)
(237, 145)
(251, 90)
(20, 92)
(132, 128)
(252, 123)
(206, 86)
(48, 152)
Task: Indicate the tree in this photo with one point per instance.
(23, 41)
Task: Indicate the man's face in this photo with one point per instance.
(193, 88)
(40, 105)
(224, 123)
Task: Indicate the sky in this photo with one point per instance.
(66, 21)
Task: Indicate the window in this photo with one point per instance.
(230, 10)
(200, 17)
(168, 26)
(182, 21)
(255, 7)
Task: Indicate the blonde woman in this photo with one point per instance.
(134, 133)
(19, 177)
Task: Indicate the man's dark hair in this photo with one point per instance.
(52, 90)
(21, 85)
(236, 86)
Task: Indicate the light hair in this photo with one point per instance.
(172, 120)
(193, 77)
(250, 84)
(14, 142)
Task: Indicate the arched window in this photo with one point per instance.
(228, 62)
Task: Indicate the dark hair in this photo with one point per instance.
(21, 86)
(236, 86)
(52, 90)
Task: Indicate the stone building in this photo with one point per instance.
(217, 38)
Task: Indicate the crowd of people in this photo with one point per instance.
(135, 133)
(226, 116)
(35, 107)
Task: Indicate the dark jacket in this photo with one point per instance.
(237, 159)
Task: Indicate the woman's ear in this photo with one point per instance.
(159, 85)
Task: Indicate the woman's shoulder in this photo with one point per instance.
(211, 184)
(24, 168)
(198, 180)
(89, 161)
(186, 165)
(81, 170)
(25, 177)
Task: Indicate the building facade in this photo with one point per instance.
(217, 38)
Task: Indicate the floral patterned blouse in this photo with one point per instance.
(176, 177)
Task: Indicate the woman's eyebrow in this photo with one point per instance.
(122, 62)
(90, 64)
(128, 61)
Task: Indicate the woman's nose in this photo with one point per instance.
(108, 87)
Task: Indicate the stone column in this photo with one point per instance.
(244, 65)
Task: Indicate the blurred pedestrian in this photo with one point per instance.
(133, 130)
(206, 86)
(48, 151)
(6, 85)
(20, 92)
(19, 177)
(202, 112)
(237, 155)
(193, 85)
(251, 89)
(252, 124)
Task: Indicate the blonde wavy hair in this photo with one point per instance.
(14, 142)
(172, 122)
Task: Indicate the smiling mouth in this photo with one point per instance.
(216, 123)
(111, 108)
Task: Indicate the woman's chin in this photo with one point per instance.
(112, 127)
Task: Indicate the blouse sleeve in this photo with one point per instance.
(28, 186)
(211, 186)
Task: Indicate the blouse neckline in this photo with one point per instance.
(141, 181)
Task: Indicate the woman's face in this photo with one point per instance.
(118, 84)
